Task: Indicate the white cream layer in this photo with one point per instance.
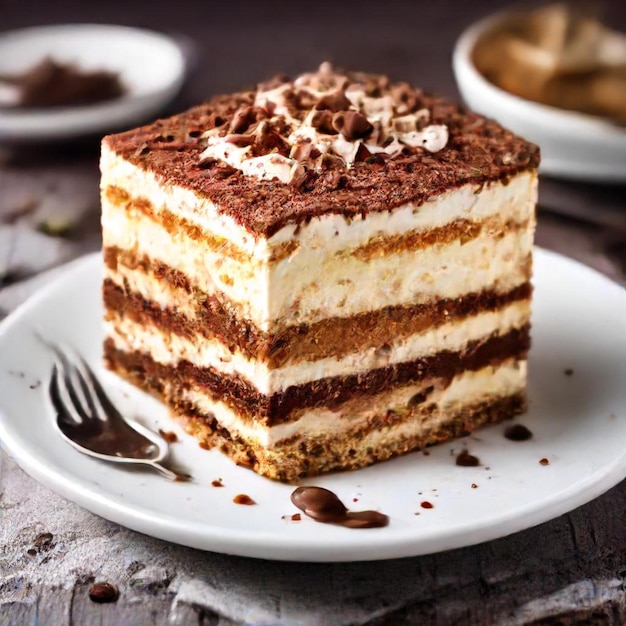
(334, 284)
(466, 389)
(169, 348)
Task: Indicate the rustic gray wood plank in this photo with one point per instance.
(54, 606)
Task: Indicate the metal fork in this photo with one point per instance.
(91, 423)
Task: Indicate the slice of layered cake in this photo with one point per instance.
(322, 273)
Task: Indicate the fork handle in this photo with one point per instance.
(168, 473)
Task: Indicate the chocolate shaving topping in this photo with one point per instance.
(334, 102)
(242, 120)
(240, 140)
(304, 152)
(323, 122)
(314, 108)
(352, 125)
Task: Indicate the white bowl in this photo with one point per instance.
(573, 145)
(150, 65)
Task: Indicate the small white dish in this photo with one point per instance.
(578, 422)
(151, 67)
(573, 145)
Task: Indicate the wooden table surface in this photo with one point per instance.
(571, 570)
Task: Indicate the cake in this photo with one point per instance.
(321, 273)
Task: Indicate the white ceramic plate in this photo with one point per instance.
(150, 65)
(578, 421)
(573, 145)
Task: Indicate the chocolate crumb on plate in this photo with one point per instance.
(217, 482)
(465, 459)
(474, 486)
(243, 498)
(517, 432)
(43, 542)
(103, 592)
(427, 505)
(544, 461)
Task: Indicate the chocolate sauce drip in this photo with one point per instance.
(324, 506)
(517, 432)
(465, 459)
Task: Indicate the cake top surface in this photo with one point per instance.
(325, 142)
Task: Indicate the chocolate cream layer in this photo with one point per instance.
(269, 409)
(359, 431)
(169, 337)
(364, 431)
